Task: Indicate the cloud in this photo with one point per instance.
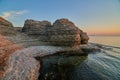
(11, 14)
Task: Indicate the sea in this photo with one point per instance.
(106, 40)
(101, 65)
(104, 65)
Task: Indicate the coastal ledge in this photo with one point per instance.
(66, 42)
(25, 64)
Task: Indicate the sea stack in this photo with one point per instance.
(63, 32)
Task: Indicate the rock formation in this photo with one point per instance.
(6, 48)
(62, 33)
(32, 27)
(84, 37)
(17, 64)
(6, 28)
(23, 64)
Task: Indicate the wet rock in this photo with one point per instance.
(22, 65)
(25, 65)
(90, 48)
(60, 67)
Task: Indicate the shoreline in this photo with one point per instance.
(104, 45)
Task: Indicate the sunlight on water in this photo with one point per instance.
(108, 40)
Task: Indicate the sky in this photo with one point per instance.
(96, 17)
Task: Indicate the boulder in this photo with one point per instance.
(5, 22)
(6, 48)
(6, 27)
(32, 27)
(64, 33)
(21, 67)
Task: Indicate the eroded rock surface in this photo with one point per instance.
(22, 65)
(84, 37)
(6, 48)
(6, 27)
(32, 27)
(62, 33)
(18, 63)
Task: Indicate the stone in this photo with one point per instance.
(23, 64)
(84, 37)
(6, 27)
(18, 29)
(62, 33)
(60, 67)
(21, 67)
(6, 48)
(32, 27)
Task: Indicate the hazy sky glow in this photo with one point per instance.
(93, 16)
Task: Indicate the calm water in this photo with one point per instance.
(108, 40)
(104, 65)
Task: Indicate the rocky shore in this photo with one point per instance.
(26, 52)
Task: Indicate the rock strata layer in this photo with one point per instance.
(33, 27)
(6, 48)
(6, 27)
(62, 33)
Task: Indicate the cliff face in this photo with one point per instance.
(6, 23)
(62, 33)
(84, 37)
(6, 28)
(32, 27)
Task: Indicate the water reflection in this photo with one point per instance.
(103, 65)
(61, 67)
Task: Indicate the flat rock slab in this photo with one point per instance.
(22, 64)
